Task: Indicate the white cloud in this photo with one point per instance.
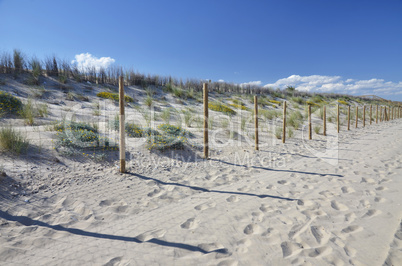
(251, 83)
(336, 84)
(86, 60)
(221, 80)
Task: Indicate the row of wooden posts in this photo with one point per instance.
(392, 113)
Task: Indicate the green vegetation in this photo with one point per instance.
(30, 110)
(278, 132)
(295, 119)
(290, 132)
(9, 104)
(166, 115)
(13, 141)
(269, 114)
(114, 96)
(317, 129)
(220, 107)
(79, 135)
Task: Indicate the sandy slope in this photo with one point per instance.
(282, 205)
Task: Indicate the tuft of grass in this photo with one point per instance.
(278, 132)
(38, 92)
(42, 110)
(148, 100)
(317, 129)
(295, 119)
(63, 79)
(290, 132)
(13, 141)
(166, 115)
(28, 113)
(270, 114)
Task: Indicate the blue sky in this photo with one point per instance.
(351, 47)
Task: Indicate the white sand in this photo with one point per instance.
(306, 212)
(292, 203)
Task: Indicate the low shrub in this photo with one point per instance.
(166, 142)
(114, 96)
(9, 104)
(171, 130)
(239, 106)
(220, 107)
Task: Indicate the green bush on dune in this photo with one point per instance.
(113, 96)
(9, 104)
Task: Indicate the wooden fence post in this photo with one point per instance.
(385, 114)
(376, 116)
(122, 127)
(380, 113)
(364, 116)
(325, 121)
(337, 119)
(309, 123)
(357, 115)
(205, 91)
(256, 121)
(348, 117)
(284, 123)
(371, 113)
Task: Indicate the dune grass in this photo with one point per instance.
(13, 141)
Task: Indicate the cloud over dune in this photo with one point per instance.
(336, 84)
(86, 60)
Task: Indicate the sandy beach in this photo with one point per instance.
(281, 205)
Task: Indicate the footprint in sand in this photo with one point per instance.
(308, 187)
(189, 224)
(351, 252)
(290, 248)
(271, 187)
(272, 235)
(365, 203)
(228, 263)
(105, 203)
(205, 206)
(114, 261)
(242, 245)
(368, 180)
(338, 206)
(348, 190)
(320, 234)
(379, 199)
(266, 208)
(257, 216)
(233, 198)
(151, 234)
(372, 213)
(319, 252)
(155, 193)
(352, 229)
(283, 182)
(305, 203)
(252, 229)
(384, 180)
(381, 188)
(350, 217)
